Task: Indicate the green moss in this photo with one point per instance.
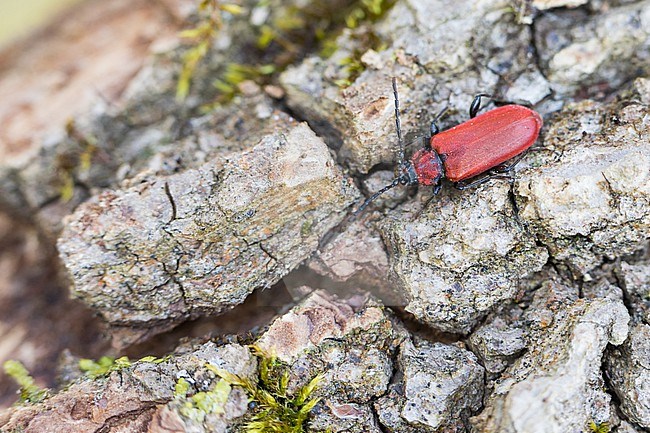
(275, 410)
(191, 59)
(29, 391)
(352, 69)
(66, 186)
(235, 74)
(213, 401)
(350, 16)
(107, 364)
(103, 366)
(202, 37)
(328, 47)
(289, 34)
(155, 360)
(366, 10)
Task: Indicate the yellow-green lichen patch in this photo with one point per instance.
(602, 427)
(181, 388)
(202, 403)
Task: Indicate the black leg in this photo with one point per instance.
(501, 171)
(434, 126)
(507, 168)
(512, 101)
(436, 190)
(463, 185)
(433, 130)
(475, 106)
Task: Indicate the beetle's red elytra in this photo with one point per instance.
(480, 146)
(490, 139)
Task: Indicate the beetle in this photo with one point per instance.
(469, 154)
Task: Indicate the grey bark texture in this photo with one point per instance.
(169, 248)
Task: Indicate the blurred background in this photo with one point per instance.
(57, 57)
(20, 18)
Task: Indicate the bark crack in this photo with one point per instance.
(171, 201)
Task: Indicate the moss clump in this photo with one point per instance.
(29, 391)
(236, 73)
(273, 409)
(293, 32)
(202, 37)
(107, 364)
(288, 34)
(103, 366)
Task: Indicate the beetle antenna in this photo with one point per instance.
(442, 113)
(372, 198)
(398, 126)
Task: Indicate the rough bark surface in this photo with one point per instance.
(560, 373)
(166, 249)
(525, 305)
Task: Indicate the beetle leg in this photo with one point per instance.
(426, 205)
(507, 168)
(475, 106)
(436, 190)
(462, 185)
(513, 101)
(434, 129)
(502, 171)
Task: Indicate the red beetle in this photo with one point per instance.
(482, 145)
